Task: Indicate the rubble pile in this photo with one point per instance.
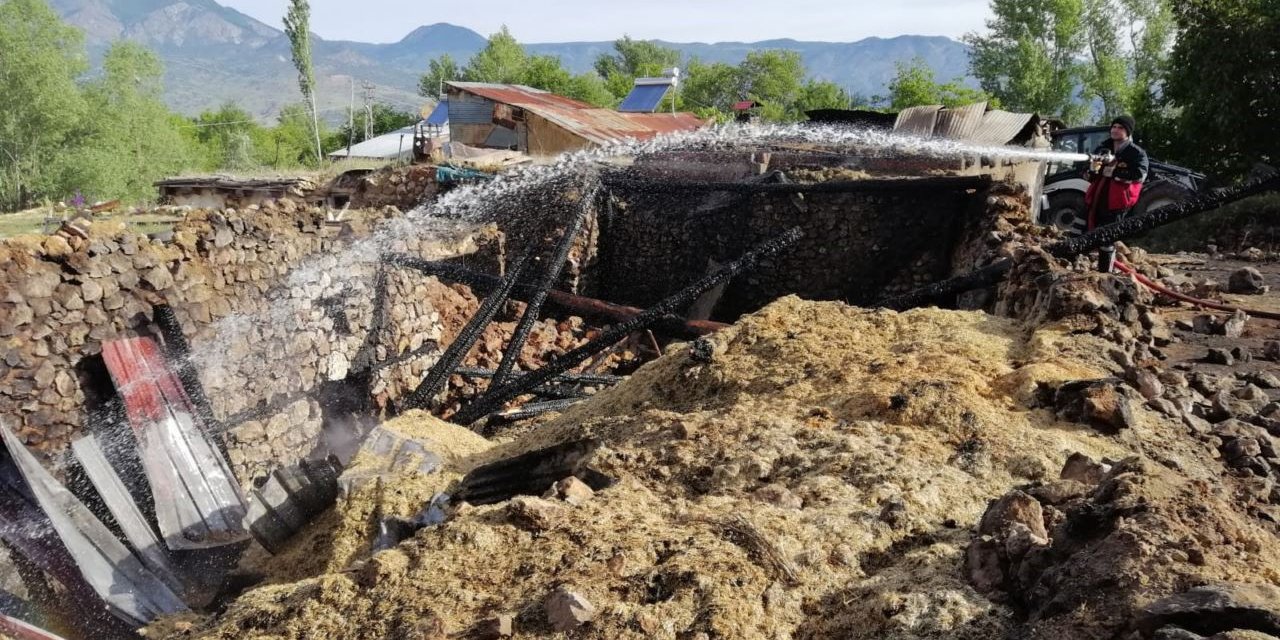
(819, 470)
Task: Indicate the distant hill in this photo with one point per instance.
(214, 54)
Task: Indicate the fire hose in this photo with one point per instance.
(1200, 302)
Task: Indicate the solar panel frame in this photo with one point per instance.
(644, 98)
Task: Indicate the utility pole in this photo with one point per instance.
(368, 109)
(351, 118)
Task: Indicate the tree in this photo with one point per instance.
(1029, 60)
(822, 94)
(915, 85)
(227, 137)
(501, 61)
(385, 120)
(40, 58)
(297, 26)
(1222, 80)
(710, 90)
(439, 71)
(772, 78)
(633, 59)
(131, 141)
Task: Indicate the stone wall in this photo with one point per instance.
(858, 246)
(400, 187)
(272, 311)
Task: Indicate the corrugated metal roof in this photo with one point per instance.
(599, 126)
(398, 143)
(1001, 127)
(961, 122)
(918, 121)
(970, 122)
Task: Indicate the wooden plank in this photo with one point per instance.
(198, 501)
(126, 512)
(130, 590)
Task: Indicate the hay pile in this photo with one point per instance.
(818, 475)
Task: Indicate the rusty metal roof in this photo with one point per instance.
(600, 126)
(970, 122)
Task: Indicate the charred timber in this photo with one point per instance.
(567, 378)
(555, 263)
(535, 409)
(946, 183)
(505, 392)
(439, 373)
(578, 305)
(1072, 247)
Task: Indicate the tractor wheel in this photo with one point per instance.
(1159, 194)
(1064, 206)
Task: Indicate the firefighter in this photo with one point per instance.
(1117, 169)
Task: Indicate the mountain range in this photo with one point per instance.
(214, 54)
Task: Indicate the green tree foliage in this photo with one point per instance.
(709, 89)
(822, 94)
(633, 59)
(1061, 57)
(1029, 58)
(504, 61)
(129, 140)
(439, 71)
(915, 85)
(297, 26)
(290, 143)
(772, 78)
(40, 58)
(227, 138)
(1223, 78)
(385, 120)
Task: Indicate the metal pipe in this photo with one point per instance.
(497, 397)
(439, 373)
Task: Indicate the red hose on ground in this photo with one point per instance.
(1158, 288)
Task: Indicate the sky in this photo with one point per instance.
(534, 21)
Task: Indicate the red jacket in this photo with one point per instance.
(1119, 191)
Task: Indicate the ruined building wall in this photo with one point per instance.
(223, 273)
(857, 246)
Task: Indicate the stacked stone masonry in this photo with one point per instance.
(270, 310)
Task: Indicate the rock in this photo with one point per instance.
(985, 568)
(1252, 394)
(1234, 326)
(1220, 356)
(159, 278)
(779, 496)
(1083, 469)
(1100, 403)
(1149, 385)
(1205, 324)
(567, 610)
(91, 291)
(1215, 608)
(1242, 355)
(1263, 379)
(494, 628)
(571, 490)
(534, 514)
(1059, 492)
(1248, 281)
(1013, 507)
(1271, 350)
(56, 246)
(39, 284)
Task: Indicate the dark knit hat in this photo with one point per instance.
(1127, 122)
